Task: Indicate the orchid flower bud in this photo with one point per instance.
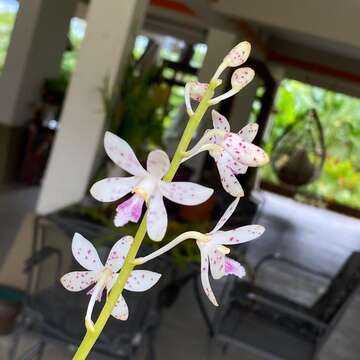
(241, 77)
(194, 90)
(238, 55)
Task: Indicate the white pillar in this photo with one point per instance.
(38, 41)
(111, 29)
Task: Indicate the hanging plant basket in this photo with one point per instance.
(299, 154)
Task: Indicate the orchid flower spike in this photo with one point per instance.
(233, 153)
(104, 277)
(194, 90)
(212, 250)
(146, 186)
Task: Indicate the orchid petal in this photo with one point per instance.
(158, 163)
(228, 212)
(118, 253)
(79, 280)
(219, 121)
(205, 275)
(248, 132)
(245, 152)
(156, 217)
(113, 188)
(241, 77)
(238, 168)
(238, 55)
(185, 193)
(233, 267)
(120, 152)
(129, 210)
(234, 165)
(121, 310)
(228, 179)
(217, 263)
(85, 253)
(99, 294)
(237, 236)
(141, 280)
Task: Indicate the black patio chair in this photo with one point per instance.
(274, 327)
(55, 315)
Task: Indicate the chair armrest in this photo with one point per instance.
(286, 309)
(40, 256)
(277, 257)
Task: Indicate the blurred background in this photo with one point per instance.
(71, 69)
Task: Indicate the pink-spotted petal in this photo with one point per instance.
(79, 280)
(205, 275)
(158, 163)
(156, 217)
(99, 295)
(248, 132)
(241, 77)
(228, 180)
(85, 253)
(228, 212)
(185, 193)
(121, 310)
(118, 253)
(233, 164)
(219, 121)
(238, 168)
(120, 152)
(232, 267)
(142, 280)
(217, 263)
(238, 55)
(113, 188)
(244, 152)
(237, 236)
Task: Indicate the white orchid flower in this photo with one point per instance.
(212, 250)
(232, 152)
(146, 186)
(104, 277)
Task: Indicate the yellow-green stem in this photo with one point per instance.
(91, 336)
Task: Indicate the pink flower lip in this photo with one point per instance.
(232, 267)
(129, 210)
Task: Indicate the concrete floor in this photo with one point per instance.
(314, 237)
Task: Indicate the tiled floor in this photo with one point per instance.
(317, 238)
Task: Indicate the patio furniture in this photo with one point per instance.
(56, 315)
(274, 327)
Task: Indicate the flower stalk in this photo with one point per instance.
(92, 334)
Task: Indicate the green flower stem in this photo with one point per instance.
(91, 336)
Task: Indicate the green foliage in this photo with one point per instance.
(340, 117)
(136, 109)
(7, 21)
